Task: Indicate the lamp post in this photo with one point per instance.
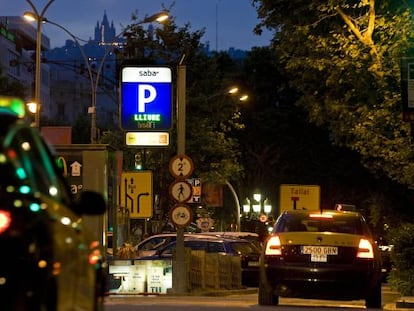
(39, 19)
(31, 16)
(257, 207)
(233, 91)
(236, 200)
(159, 17)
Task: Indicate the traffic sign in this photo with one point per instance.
(136, 193)
(196, 192)
(181, 166)
(181, 215)
(299, 197)
(146, 98)
(181, 190)
(147, 139)
(263, 217)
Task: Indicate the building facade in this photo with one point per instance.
(66, 83)
(80, 70)
(17, 57)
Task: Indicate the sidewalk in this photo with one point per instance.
(401, 304)
(392, 299)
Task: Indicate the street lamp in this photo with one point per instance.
(158, 17)
(231, 91)
(267, 207)
(256, 207)
(32, 17)
(39, 19)
(234, 91)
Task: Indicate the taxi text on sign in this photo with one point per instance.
(136, 193)
(299, 197)
(146, 98)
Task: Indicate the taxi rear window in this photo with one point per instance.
(304, 223)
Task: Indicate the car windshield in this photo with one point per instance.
(341, 223)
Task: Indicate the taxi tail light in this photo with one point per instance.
(273, 246)
(365, 249)
(5, 220)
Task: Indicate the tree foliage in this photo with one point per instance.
(343, 58)
(211, 116)
(280, 146)
(402, 255)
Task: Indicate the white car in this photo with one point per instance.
(250, 236)
(150, 245)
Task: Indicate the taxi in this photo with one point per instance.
(48, 260)
(320, 255)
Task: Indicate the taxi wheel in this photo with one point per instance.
(373, 300)
(266, 296)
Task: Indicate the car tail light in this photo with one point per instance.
(95, 257)
(365, 249)
(5, 220)
(273, 246)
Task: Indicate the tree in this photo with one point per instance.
(343, 59)
(211, 116)
(280, 146)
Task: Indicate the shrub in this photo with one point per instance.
(402, 255)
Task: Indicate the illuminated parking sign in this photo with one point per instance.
(146, 98)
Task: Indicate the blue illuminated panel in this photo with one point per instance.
(146, 98)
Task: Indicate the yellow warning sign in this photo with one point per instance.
(136, 193)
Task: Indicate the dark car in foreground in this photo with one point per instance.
(246, 250)
(49, 261)
(320, 255)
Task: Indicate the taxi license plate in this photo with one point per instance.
(319, 253)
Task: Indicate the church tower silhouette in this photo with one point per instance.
(104, 32)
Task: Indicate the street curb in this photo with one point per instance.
(225, 292)
(211, 293)
(405, 302)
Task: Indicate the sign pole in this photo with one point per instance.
(179, 269)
